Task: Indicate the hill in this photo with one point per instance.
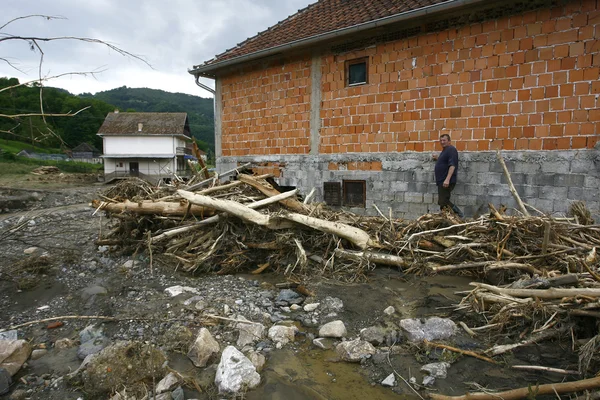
(200, 110)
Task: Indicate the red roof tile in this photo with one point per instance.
(320, 18)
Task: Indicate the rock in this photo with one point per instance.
(323, 343)
(437, 370)
(333, 304)
(92, 291)
(373, 334)
(5, 381)
(121, 364)
(64, 343)
(92, 341)
(178, 394)
(380, 358)
(38, 353)
(235, 372)
(334, 329)
(311, 307)
(167, 383)
(433, 328)
(355, 350)
(295, 307)
(393, 338)
(18, 394)
(390, 381)
(206, 376)
(9, 335)
(203, 348)
(428, 380)
(288, 297)
(390, 310)
(257, 359)
(282, 335)
(31, 250)
(249, 332)
(177, 290)
(13, 354)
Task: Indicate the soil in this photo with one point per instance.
(51, 267)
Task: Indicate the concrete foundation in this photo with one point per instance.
(547, 180)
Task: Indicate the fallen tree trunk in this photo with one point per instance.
(234, 208)
(377, 258)
(552, 293)
(167, 208)
(521, 393)
(292, 204)
(355, 235)
(216, 218)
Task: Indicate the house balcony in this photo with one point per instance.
(183, 151)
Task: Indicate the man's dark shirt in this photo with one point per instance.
(448, 157)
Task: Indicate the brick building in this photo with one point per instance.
(350, 97)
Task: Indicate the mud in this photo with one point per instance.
(62, 229)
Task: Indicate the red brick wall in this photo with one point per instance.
(525, 82)
(267, 111)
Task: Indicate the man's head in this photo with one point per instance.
(445, 140)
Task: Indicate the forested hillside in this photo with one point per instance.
(200, 110)
(83, 127)
(24, 100)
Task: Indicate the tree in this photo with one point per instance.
(35, 44)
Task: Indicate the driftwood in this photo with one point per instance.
(460, 351)
(209, 180)
(552, 293)
(153, 208)
(216, 218)
(229, 185)
(292, 204)
(544, 335)
(522, 393)
(377, 258)
(511, 187)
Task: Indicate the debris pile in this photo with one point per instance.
(535, 277)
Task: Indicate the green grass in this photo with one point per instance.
(14, 146)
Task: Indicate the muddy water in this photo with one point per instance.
(310, 373)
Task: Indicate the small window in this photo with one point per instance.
(355, 193)
(356, 71)
(332, 193)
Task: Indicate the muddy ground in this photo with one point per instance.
(51, 267)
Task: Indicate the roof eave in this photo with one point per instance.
(207, 70)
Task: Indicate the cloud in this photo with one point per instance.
(172, 36)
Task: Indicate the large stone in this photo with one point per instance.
(282, 335)
(92, 341)
(13, 354)
(177, 290)
(390, 381)
(332, 304)
(335, 329)
(288, 297)
(203, 349)
(257, 359)
(437, 370)
(122, 364)
(373, 334)
(249, 332)
(355, 350)
(5, 381)
(9, 335)
(311, 307)
(433, 328)
(235, 372)
(167, 383)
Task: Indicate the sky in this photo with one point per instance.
(172, 36)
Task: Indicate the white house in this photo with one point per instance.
(148, 145)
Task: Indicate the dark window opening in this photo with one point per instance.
(332, 193)
(356, 72)
(355, 193)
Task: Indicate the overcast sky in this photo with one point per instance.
(172, 36)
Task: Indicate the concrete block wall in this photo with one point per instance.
(549, 181)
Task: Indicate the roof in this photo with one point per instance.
(324, 17)
(85, 148)
(117, 123)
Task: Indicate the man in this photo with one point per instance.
(446, 168)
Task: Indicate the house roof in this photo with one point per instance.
(117, 123)
(85, 148)
(324, 17)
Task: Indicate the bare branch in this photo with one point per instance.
(48, 17)
(47, 78)
(68, 114)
